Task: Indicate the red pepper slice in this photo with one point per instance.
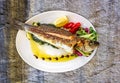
(78, 53)
(68, 25)
(75, 27)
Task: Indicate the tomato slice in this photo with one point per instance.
(75, 27)
(68, 25)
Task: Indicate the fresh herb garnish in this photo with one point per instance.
(41, 42)
(92, 35)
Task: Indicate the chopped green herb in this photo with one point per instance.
(92, 35)
(41, 42)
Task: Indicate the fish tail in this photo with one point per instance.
(22, 26)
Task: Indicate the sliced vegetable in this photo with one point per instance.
(37, 40)
(91, 30)
(87, 33)
(61, 21)
(87, 30)
(68, 25)
(77, 52)
(40, 41)
(84, 53)
(75, 27)
(81, 32)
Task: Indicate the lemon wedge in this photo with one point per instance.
(61, 21)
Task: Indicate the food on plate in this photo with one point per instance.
(48, 52)
(51, 43)
(73, 27)
(88, 33)
(60, 39)
(57, 37)
(86, 46)
(61, 21)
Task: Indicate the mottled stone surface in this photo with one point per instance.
(104, 66)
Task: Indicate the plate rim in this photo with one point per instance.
(54, 71)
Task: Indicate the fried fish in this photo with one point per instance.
(60, 38)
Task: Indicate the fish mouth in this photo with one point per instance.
(96, 43)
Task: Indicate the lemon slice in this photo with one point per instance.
(61, 21)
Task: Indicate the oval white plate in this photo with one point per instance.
(24, 50)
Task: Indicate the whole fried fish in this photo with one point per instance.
(60, 38)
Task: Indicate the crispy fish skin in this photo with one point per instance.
(57, 37)
(62, 38)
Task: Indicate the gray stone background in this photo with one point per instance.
(104, 66)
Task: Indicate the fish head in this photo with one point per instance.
(87, 45)
(92, 44)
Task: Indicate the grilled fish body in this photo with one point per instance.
(54, 36)
(60, 38)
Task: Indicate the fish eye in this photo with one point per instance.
(91, 43)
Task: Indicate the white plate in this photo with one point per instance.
(24, 50)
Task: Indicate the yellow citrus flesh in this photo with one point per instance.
(61, 21)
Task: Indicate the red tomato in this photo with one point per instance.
(75, 27)
(68, 25)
